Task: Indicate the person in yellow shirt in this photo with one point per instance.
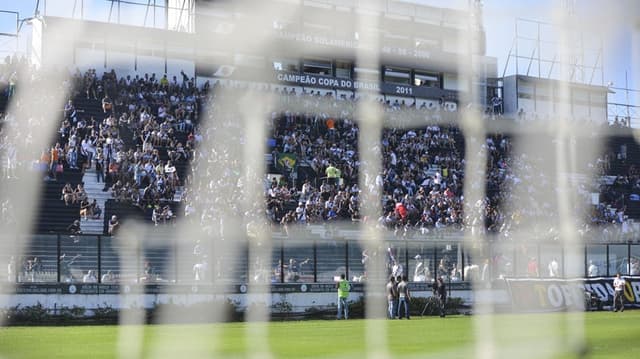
(333, 175)
(343, 294)
(164, 81)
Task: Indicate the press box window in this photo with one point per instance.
(286, 65)
(317, 67)
(426, 79)
(343, 69)
(396, 76)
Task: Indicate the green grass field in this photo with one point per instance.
(608, 335)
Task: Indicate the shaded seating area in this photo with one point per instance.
(53, 214)
(126, 212)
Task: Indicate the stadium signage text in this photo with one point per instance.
(353, 85)
(317, 39)
(538, 295)
(313, 80)
(349, 44)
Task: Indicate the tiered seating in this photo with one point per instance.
(614, 145)
(53, 214)
(126, 212)
(88, 108)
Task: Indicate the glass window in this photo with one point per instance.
(39, 262)
(78, 259)
(449, 258)
(318, 67)
(363, 73)
(377, 261)
(525, 89)
(264, 269)
(331, 260)
(421, 261)
(527, 263)
(229, 264)
(298, 260)
(157, 264)
(8, 259)
(634, 266)
(574, 261)
(358, 261)
(288, 65)
(502, 262)
(195, 258)
(596, 260)
(120, 260)
(476, 266)
(551, 261)
(343, 69)
(635, 260)
(426, 79)
(396, 76)
(618, 259)
(397, 259)
(278, 271)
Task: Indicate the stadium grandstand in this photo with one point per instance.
(214, 144)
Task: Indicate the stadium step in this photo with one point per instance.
(92, 226)
(94, 191)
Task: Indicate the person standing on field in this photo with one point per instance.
(343, 294)
(440, 291)
(404, 296)
(392, 293)
(618, 297)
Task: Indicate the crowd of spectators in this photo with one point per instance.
(145, 132)
(150, 135)
(145, 148)
(421, 182)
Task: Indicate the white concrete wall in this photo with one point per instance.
(86, 58)
(298, 301)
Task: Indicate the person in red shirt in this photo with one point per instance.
(401, 211)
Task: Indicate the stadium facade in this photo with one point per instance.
(419, 50)
(419, 54)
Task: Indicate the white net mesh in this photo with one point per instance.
(513, 195)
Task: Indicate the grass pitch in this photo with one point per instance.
(608, 335)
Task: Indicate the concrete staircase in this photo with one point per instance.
(93, 108)
(94, 190)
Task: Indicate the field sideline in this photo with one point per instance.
(609, 335)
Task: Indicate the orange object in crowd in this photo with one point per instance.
(331, 124)
(45, 158)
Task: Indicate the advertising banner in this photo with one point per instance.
(195, 288)
(555, 294)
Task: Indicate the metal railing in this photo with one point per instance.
(158, 14)
(59, 258)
